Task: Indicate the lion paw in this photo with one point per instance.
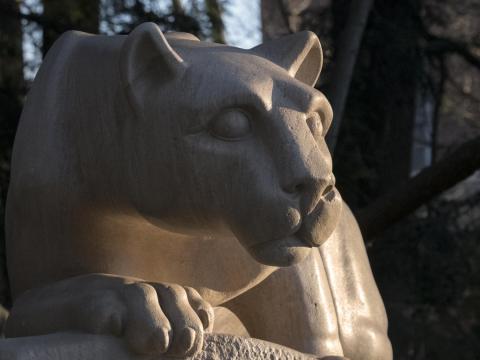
(153, 318)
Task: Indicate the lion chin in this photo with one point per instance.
(287, 251)
(315, 229)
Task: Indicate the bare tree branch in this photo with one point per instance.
(430, 182)
(439, 45)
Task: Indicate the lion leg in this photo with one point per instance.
(293, 307)
(361, 314)
(328, 304)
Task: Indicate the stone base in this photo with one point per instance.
(72, 346)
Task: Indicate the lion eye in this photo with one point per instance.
(315, 124)
(230, 125)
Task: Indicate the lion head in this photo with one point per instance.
(227, 140)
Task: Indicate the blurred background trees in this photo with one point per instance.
(404, 80)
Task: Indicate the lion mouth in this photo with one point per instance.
(320, 222)
(307, 226)
(309, 231)
(328, 196)
(329, 193)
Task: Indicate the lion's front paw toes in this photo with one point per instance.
(153, 318)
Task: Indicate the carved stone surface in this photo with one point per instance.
(92, 347)
(157, 177)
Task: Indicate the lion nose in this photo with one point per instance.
(310, 189)
(300, 185)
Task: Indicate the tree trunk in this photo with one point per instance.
(214, 13)
(12, 89)
(80, 15)
(344, 62)
(177, 7)
(281, 17)
(374, 143)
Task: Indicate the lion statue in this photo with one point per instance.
(160, 182)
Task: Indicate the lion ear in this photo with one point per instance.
(299, 53)
(146, 49)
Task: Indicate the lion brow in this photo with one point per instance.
(306, 98)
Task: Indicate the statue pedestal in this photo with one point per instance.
(75, 346)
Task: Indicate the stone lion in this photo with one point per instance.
(158, 181)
